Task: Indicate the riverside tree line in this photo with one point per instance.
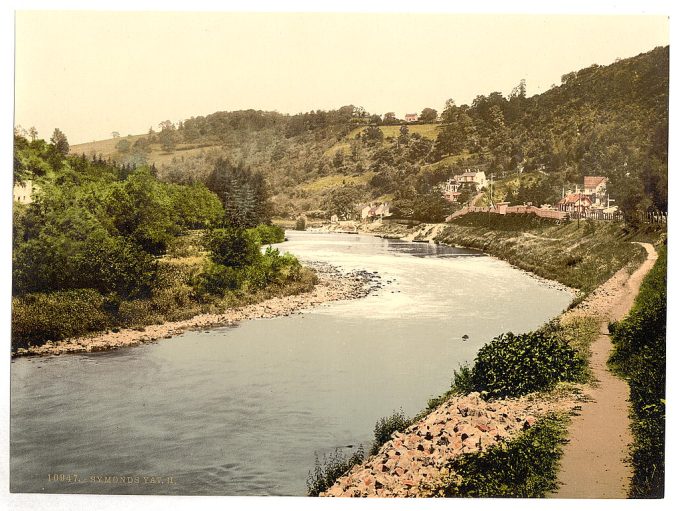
(105, 245)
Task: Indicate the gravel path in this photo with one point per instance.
(594, 462)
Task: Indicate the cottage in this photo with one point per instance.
(373, 211)
(596, 188)
(476, 178)
(450, 190)
(575, 203)
(411, 117)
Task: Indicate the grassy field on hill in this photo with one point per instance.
(428, 131)
(336, 180)
(107, 149)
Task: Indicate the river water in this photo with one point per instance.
(243, 410)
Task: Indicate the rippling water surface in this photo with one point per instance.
(243, 410)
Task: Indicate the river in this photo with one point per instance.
(243, 410)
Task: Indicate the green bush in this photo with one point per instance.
(385, 426)
(217, 279)
(523, 467)
(300, 223)
(137, 313)
(39, 317)
(269, 234)
(640, 356)
(232, 247)
(513, 365)
(334, 466)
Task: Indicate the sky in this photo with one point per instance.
(92, 73)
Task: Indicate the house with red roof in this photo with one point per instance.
(575, 202)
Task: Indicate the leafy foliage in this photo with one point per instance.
(242, 192)
(333, 466)
(233, 247)
(514, 365)
(87, 251)
(59, 315)
(385, 426)
(269, 234)
(640, 356)
(524, 467)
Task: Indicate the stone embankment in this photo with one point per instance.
(333, 285)
(414, 463)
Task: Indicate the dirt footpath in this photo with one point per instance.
(594, 462)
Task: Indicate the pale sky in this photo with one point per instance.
(91, 73)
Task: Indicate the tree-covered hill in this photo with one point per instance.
(602, 120)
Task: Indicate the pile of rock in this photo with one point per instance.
(412, 463)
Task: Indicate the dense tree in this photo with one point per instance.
(390, 118)
(167, 136)
(243, 193)
(60, 142)
(343, 202)
(428, 115)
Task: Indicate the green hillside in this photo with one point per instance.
(602, 120)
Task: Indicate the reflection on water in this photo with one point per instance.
(241, 411)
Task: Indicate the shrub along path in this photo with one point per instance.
(593, 464)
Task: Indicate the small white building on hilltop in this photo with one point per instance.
(23, 192)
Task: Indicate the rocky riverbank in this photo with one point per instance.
(333, 285)
(414, 463)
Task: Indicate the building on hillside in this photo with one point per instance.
(470, 179)
(375, 211)
(23, 192)
(450, 190)
(334, 219)
(477, 178)
(411, 117)
(596, 188)
(575, 203)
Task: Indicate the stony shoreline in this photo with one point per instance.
(333, 285)
(414, 463)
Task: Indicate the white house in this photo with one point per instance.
(596, 188)
(478, 178)
(450, 189)
(411, 117)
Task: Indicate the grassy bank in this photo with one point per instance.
(640, 357)
(186, 284)
(581, 256)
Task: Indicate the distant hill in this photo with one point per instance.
(602, 120)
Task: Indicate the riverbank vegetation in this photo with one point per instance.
(640, 357)
(580, 255)
(524, 467)
(103, 245)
